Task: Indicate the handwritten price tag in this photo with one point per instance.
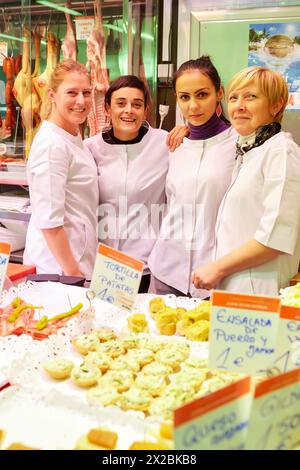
(243, 332)
(216, 421)
(116, 277)
(275, 414)
(4, 258)
(84, 26)
(288, 341)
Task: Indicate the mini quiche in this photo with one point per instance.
(59, 368)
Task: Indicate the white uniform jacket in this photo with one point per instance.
(62, 178)
(132, 188)
(263, 202)
(199, 175)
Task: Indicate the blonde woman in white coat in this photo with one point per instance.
(132, 160)
(62, 177)
(258, 243)
(198, 177)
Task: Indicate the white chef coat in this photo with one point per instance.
(263, 202)
(62, 178)
(132, 187)
(199, 175)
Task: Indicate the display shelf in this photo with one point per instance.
(16, 256)
(13, 178)
(12, 215)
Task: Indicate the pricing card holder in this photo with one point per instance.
(288, 339)
(275, 419)
(4, 259)
(243, 332)
(216, 421)
(116, 277)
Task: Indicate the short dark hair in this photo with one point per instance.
(130, 81)
(204, 65)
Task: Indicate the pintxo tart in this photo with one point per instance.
(103, 395)
(59, 368)
(135, 399)
(86, 343)
(85, 375)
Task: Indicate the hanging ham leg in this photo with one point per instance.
(69, 49)
(42, 81)
(97, 65)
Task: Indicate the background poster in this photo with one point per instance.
(277, 46)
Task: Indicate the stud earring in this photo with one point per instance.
(219, 110)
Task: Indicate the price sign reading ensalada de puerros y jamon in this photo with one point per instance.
(116, 277)
(243, 332)
(4, 258)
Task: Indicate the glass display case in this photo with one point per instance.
(35, 34)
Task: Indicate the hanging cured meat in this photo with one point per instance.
(41, 83)
(97, 65)
(68, 47)
(22, 85)
(26, 95)
(37, 48)
(10, 115)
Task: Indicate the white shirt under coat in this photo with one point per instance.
(62, 178)
(132, 184)
(263, 202)
(199, 175)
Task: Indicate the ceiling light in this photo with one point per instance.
(14, 38)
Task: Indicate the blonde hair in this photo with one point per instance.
(57, 77)
(272, 85)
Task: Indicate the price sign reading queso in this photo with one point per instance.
(116, 277)
(243, 332)
(4, 257)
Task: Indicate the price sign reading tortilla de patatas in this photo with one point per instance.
(4, 258)
(243, 332)
(116, 277)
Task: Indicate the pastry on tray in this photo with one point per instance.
(86, 343)
(112, 348)
(120, 380)
(155, 305)
(105, 334)
(99, 359)
(85, 375)
(103, 395)
(157, 368)
(142, 355)
(59, 368)
(125, 363)
(153, 384)
(135, 399)
(137, 323)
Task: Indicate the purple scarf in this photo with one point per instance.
(212, 127)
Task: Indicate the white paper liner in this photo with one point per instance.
(22, 359)
(50, 420)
